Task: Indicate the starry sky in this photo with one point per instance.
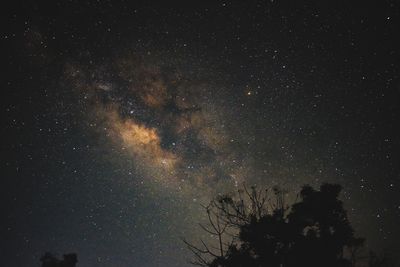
(121, 119)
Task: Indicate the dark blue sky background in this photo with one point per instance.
(266, 92)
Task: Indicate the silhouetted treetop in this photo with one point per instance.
(262, 230)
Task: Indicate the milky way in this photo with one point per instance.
(123, 119)
(175, 126)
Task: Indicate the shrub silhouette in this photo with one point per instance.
(264, 231)
(49, 260)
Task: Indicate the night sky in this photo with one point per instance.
(119, 120)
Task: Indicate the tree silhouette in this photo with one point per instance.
(264, 231)
(49, 260)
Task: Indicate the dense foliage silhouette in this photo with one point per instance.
(263, 231)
